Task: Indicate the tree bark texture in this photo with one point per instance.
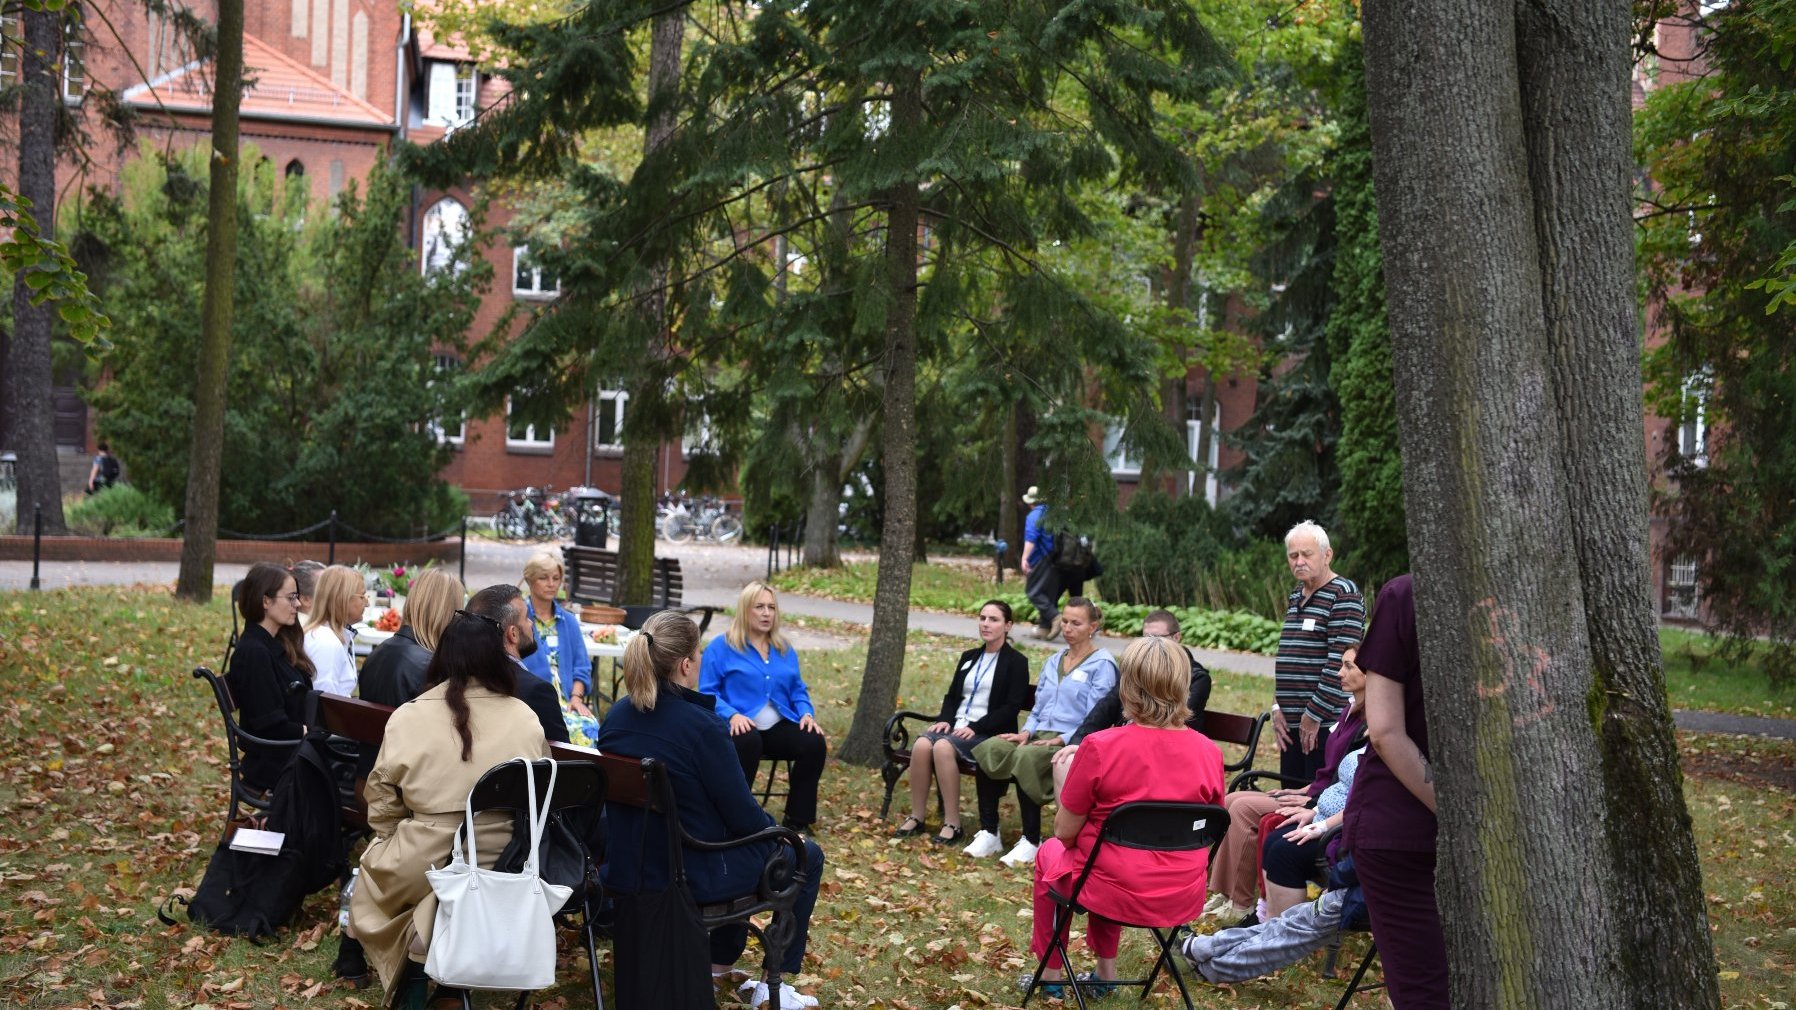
(898, 453)
(642, 434)
(1178, 296)
(199, 542)
(1010, 495)
(820, 548)
(1574, 69)
(28, 359)
(1498, 207)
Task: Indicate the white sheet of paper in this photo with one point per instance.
(1309, 624)
(267, 843)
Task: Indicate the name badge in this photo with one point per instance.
(1309, 624)
(1077, 677)
(968, 665)
(550, 641)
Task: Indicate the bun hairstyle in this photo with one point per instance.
(264, 582)
(471, 649)
(654, 654)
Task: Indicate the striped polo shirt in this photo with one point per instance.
(1315, 634)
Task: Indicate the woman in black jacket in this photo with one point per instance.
(270, 677)
(990, 688)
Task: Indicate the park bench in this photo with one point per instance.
(1221, 727)
(592, 578)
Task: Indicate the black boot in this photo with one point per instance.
(351, 964)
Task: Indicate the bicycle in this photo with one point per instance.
(529, 514)
(713, 523)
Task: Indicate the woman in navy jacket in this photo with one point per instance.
(990, 687)
(662, 717)
(752, 671)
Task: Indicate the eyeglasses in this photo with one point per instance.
(292, 598)
(478, 617)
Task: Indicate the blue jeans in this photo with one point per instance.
(728, 942)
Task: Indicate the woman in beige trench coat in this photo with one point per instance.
(436, 747)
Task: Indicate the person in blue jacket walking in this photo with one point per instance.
(752, 671)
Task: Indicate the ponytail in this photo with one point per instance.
(654, 654)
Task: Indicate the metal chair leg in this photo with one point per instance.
(1353, 986)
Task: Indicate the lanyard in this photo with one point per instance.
(981, 666)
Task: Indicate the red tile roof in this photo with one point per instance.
(278, 87)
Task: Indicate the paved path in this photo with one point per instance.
(714, 575)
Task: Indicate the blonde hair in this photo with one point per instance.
(737, 636)
(1154, 681)
(655, 653)
(541, 563)
(434, 598)
(339, 599)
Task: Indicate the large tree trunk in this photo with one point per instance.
(1535, 909)
(1010, 519)
(199, 543)
(898, 453)
(1178, 296)
(820, 548)
(28, 361)
(1574, 63)
(645, 424)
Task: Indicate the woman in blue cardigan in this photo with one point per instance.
(752, 671)
(664, 718)
(560, 655)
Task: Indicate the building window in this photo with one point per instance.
(1121, 463)
(519, 435)
(1693, 430)
(1207, 469)
(74, 56)
(453, 430)
(1680, 588)
(698, 437)
(445, 229)
(608, 420)
(296, 169)
(529, 280)
(449, 94)
(10, 41)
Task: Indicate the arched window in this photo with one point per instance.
(295, 169)
(445, 229)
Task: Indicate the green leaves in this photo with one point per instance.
(49, 271)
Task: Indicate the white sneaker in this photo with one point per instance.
(755, 994)
(1022, 853)
(1216, 904)
(985, 845)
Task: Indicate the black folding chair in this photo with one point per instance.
(1157, 827)
(248, 800)
(578, 785)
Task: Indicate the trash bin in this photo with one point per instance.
(592, 525)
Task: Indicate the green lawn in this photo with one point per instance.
(1696, 677)
(112, 783)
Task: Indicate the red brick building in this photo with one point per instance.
(331, 85)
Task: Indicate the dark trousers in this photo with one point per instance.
(1406, 923)
(728, 942)
(990, 791)
(1296, 764)
(786, 742)
(1043, 590)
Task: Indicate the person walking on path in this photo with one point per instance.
(1324, 617)
(1042, 578)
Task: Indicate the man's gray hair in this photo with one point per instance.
(1311, 530)
(502, 603)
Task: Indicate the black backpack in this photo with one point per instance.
(250, 894)
(1073, 554)
(109, 470)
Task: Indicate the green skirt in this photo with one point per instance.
(1030, 766)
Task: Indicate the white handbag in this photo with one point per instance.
(495, 930)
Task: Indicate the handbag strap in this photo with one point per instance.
(538, 820)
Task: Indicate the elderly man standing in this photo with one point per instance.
(1324, 617)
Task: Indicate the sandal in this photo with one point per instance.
(915, 828)
(954, 834)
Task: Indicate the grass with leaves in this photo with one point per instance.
(112, 785)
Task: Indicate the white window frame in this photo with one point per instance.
(442, 234)
(616, 403)
(698, 439)
(1692, 431)
(445, 364)
(74, 55)
(520, 265)
(530, 439)
(1118, 456)
(12, 38)
(1682, 597)
(450, 89)
(1212, 466)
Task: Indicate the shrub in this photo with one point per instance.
(1181, 552)
(121, 511)
(1205, 629)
